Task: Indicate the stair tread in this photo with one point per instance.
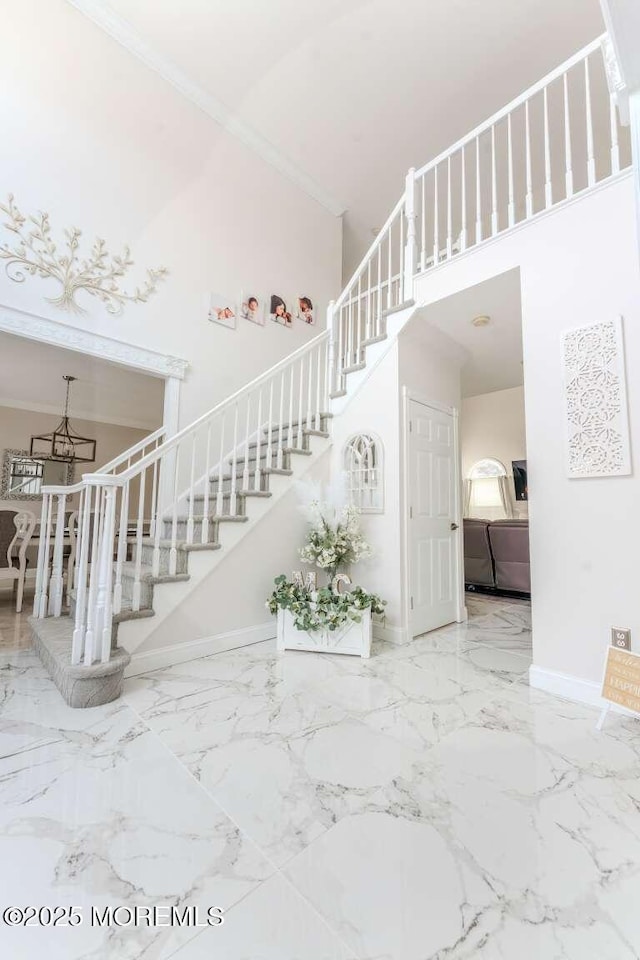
(146, 573)
(181, 545)
(264, 471)
(226, 494)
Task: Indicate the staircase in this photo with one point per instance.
(159, 519)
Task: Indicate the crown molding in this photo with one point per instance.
(121, 31)
(35, 327)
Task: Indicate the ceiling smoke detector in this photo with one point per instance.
(482, 321)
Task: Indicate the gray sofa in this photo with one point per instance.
(496, 555)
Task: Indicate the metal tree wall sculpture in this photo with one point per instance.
(35, 254)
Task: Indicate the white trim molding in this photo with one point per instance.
(121, 31)
(568, 687)
(195, 649)
(35, 327)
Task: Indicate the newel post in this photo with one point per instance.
(411, 248)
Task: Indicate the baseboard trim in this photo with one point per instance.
(390, 634)
(566, 686)
(195, 649)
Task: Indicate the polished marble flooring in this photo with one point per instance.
(422, 805)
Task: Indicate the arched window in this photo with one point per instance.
(487, 493)
(363, 463)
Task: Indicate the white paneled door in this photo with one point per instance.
(434, 540)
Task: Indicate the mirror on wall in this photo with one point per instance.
(24, 476)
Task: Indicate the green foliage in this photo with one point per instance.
(322, 609)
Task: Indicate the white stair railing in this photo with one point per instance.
(561, 137)
(58, 521)
(135, 522)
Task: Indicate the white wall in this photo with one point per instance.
(579, 265)
(99, 141)
(492, 425)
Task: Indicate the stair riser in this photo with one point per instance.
(181, 558)
(181, 531)
(312, 424)
(263, 485)
(146, 590)
(261, 463)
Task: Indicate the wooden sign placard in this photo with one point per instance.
(621, 682)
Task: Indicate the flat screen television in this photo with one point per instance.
(520, 479)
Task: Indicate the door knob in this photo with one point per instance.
(454, 526)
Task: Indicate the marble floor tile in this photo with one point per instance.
(274, 923)
(426, 804)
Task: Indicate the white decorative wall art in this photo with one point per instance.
(34, 253)
(596, 401)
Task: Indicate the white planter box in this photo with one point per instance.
(352, 638)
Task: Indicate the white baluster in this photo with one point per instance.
(157, 536)
(77, 643)
(379, 304)
(104, 613)
(511, 211)
(300, 440)
(449, 214)
(260, 439)
(72, 567)
(94, 576)
(233, 497)
(591, 162)
(568, 177)
(330, 319)
(615, 147)
(350, 354)
(411, 249)
(79, 533)
(478, 196)
(258, 479)
(38, 610)
(436, 218)
(137, 586)
(44, 597)
(56, 589)
(423, 225)
(527, 137)
(173, 550)
(221, 469)
(389, 266)
(316, 424)
(246, 471)
(154, 498)
(291, 398)
(309, 391)
(204, 531)
(358, 347)
(401, 274)
(121, 555)
(192, 492)
(368, 326)
(463, 200)
(548, 191)
(494, 184)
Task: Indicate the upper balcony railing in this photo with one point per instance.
(558, 139)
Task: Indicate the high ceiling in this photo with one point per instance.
(354, 92)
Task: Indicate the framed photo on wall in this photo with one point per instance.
(222, 311)
(305, 311)
(278, 311)
(252, 308)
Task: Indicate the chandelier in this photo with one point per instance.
(64, 443)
